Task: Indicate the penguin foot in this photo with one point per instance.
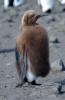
(60, 90)
(34, 83)
(49, 11)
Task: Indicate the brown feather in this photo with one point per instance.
(34, 39)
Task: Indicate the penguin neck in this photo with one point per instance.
(25, 24)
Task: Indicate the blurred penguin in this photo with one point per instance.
(46, 5)
(13, 3)
(49, 5)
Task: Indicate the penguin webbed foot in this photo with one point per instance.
(34, 83)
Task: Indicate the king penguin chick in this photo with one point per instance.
(32, 47)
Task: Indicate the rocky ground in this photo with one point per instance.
(9, 29)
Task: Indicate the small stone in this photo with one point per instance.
(7, 76)
(5, 86)
(54, 39)
(8, 64)
(63, 10)
(51, 20)
(10, 20)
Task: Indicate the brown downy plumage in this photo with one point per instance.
(33, 47)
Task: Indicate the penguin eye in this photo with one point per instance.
(32, 15)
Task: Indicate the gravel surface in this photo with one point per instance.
(9, 29)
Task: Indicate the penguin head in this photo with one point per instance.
(30, 17)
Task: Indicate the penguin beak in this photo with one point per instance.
(41, 15)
